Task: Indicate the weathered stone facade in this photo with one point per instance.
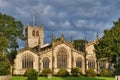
(60, 53)
(35, 35)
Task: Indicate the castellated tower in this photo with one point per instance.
(35, 36)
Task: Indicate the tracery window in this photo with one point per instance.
(37, 33)
(62, 58)
(46, 62)
(27, 61)
(33, 33)
(79, 62)
(91, 64)
(102, 64)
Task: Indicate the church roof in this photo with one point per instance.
(45, 45)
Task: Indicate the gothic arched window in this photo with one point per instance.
(33, 33)
(37, 33)
(62, 58)
(79, 62)
(91, 64)
(46, 62)
(102, 64)
(27, 61)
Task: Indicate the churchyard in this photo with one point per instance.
(65, 78)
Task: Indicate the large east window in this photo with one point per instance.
(62, 58)
(27, 61)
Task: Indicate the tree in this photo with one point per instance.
(4, 63)
(109, 44)
(79, 44)
(3, 42)
(12, 30)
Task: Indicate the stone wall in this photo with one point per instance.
(117, 77)
(6, 77)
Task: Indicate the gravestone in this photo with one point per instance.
(49, 76)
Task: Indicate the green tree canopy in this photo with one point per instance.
(4, 63)
(12, 30)
(79, 44)
(3, 42)
(109, 44)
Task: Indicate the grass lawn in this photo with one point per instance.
(64, 78)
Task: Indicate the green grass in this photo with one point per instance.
(64, 78)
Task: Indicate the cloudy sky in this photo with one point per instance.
(79, 18)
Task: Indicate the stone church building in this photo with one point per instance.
(59, 54)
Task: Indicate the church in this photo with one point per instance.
(58, 54)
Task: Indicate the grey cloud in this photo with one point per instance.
(4, 4)
(75, 17)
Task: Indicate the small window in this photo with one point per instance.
(37, 33)
(33, 33)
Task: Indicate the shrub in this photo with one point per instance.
(4, 65)
(91, 73)
(76, 72)
(63, 72)
(31, 74)
(105, 73)
(46, 71)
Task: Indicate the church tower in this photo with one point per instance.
(35, 36)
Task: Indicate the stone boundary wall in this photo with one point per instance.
(6, 77)
(117, 77)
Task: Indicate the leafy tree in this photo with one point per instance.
(3, 42)
(12, 30)
(4, 63)
(79, 44)
(109, 44)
